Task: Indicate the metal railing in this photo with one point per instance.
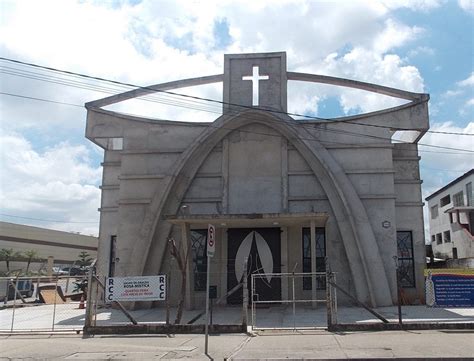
(304, 302)
(42, 303)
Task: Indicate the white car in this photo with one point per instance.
(57, 271)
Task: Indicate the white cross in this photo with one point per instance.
(255, 78)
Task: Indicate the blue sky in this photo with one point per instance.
(50, 173)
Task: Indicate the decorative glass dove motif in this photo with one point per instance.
(263, 250)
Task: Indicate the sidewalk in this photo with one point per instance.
(265, 346)
(69, 317)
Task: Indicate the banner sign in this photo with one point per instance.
(141, 288)
(447, 288)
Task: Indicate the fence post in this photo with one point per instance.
(252, 285)
(55, 300)
(14, 302)
(293, 298)
(90, 279)
(245, 297)
(329, 295)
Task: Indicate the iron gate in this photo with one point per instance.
(302, 308)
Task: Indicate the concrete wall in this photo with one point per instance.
(256, 170)
(252, 161)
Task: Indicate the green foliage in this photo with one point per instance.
(8, 255)
(81, 286)
(30, 255)
(84, 259)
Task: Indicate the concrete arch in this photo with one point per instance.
(356, 232)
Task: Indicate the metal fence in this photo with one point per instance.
(300, 309)
(101, 313)
(42, 303)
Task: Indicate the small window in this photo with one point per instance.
(434, 212)
(112, 255)
(433, 238)
(115, 144)
(458, 199)
(445, 200)
(469, 194)
(406, 265)
(199, 251)
(439, 238)
(447, 236)
(320, 257)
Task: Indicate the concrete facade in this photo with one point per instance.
(255, 167)
(452, 219)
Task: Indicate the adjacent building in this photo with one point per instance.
(57, 247)
(285, 194)
(452, 219)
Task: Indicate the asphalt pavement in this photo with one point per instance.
(268, 345)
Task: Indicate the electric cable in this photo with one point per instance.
(207, 99)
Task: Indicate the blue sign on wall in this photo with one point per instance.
(449, 290)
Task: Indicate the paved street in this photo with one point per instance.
(266, 345)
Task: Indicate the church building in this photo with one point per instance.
(287, 194)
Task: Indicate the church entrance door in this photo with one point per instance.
(261, 246)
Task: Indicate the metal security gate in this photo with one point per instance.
(300, 310)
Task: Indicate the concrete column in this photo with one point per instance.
(284, 262)
(49, 266)
(186, 242)
(284, 174)
(223, 261)
(225, 175)
(313, 261)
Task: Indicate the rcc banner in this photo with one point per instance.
(141, 288)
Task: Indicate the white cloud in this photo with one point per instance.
(423, 5)
(446, 160)
(155, 42)
(426, 50)
(467, 5)
(452, 93)
(440, 166)
(469, 81)
(369, 66)
(394, 35)
(58, 183)
(128, 42)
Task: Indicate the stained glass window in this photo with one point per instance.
(198, 244)
(320, 257)
(406, 267)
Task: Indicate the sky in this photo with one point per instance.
(50, 174)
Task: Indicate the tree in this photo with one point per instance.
(8, 255)
(182, 260)
(30, 255)
(84, 259)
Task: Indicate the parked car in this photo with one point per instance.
(75, 271)
(59, 272)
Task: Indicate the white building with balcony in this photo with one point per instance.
(452, 219)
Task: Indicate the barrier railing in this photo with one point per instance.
(42, 303)
(298, 308)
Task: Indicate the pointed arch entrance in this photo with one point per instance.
(365, 262)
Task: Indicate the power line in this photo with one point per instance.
(41, 100)
(220, 102)
(43, 220)
(174, 103)
(207, 99)
(464, 151)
